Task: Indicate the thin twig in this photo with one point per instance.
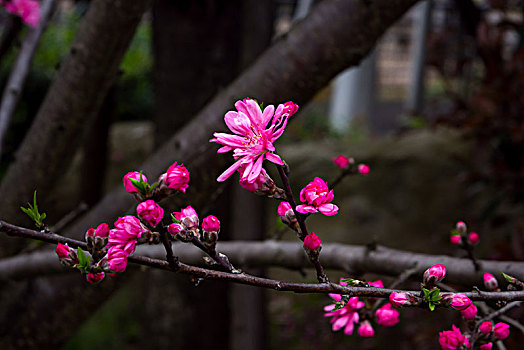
(173, 261)
(212, 254)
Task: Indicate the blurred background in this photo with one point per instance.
(436, 110)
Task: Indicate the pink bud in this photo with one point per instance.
(473, 238)
(116, 259)
(501, 330)
(341, 161)
(62, 250)
(102, 230)
(211, 224)
(452, 340)
(377, 283)
(90, 233)
(461, 227)
(135, 175)
(490, 282)
(365, 330)
(470, 312)
(290, 108)
(95, 277)
(151, 212)
(188, 217)
(125, 234)
(486, 346)
(363, 169)
(455, 239)
(312, 242)
(318, 197)
(176, 177)
(486, 327)
(400, 299)
(460, 301)
(28, 10)
(387, 316)
(175, 229)
(283, 208)
(263, 185)
(434, 274)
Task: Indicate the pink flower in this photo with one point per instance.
(387, 316)
(62, 250)
(473, 238)
(363, 169)
(125, 234)
(490, 282)
(341, 161)
(117, 259)
(101, 231)
(400, 299)
(345, 317)
(460, 302)
(486, 346)
(253, 141)
(377, 283)
(452, 340)
(486, 327)
(28, 10)
(187, 217)
(176, 177)
(319, 198)
(365, 330)
(151, 212)
(211, 224)
(95, 277)
(455, 239)
(470, 312)
(135, 175)
(434, 274)
(312, 242)
(501, 330)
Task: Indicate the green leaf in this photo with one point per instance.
(34, 202)
(175, 220)
(43, 216)
(508, 278)
(426, 293)
(431, 306)
(83, 260)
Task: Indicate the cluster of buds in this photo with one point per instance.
(460, 236)
(97, 238)
(263, 185)
(499, 331)
(66, 255)
(185, 225)
(347, 164)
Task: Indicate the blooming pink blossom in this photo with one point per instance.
(253, 141)
(116, 259)
(341, 161)
(135, 175)
(188, 217)
(400, 299)
(151, 212)
(312, 242)
(434, 274)
(455, 239)
(345, 317)
(452, 340)
(387, 316)
(62, 250)
(501, 330)
(319, 197)
(125, 234)
(473, 238)
(365, 330)
(211, 224)
(95, 277)
(470, 312)
(176, 177)
(363, 169)
(460, 301)
(486, 327)
(486, 346)
(490, 282)
(28, 10)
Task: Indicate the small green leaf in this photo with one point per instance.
(83, 260)
(508, 278)
(34, 202)
(431, 306)
(43, 216)
(175, 220)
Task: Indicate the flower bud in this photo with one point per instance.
(151, 212)
(177, 231)
(312, 242)
(486, 327)
(135, 175)
(490, 282)
(365, 330)
(66, 255)
(457, 301)
(455, 239)
(461, 227)
(473, 238)
(116, 259)
(501, 330)
(263, 185)
(341, 161)
(97, 238)
(387, 316)
(363, 169)
(211, 228)
(401, 299)
(454, 339)
(176, 178)
(470, 312)
(486, 346)
(434, 274)
(188, 217)
(95, 277)
(377, 284)
(290, 108)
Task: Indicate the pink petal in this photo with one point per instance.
(304, 209)
(328, 209)
(238, 123)
(228, 140)
(254, 113)
(274, 158)
(341, 322)
(224, 149)
(229, 171)
(266, 116)
(329, 307)
(349, 328)
(255, 171)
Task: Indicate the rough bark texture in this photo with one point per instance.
(75, 96)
